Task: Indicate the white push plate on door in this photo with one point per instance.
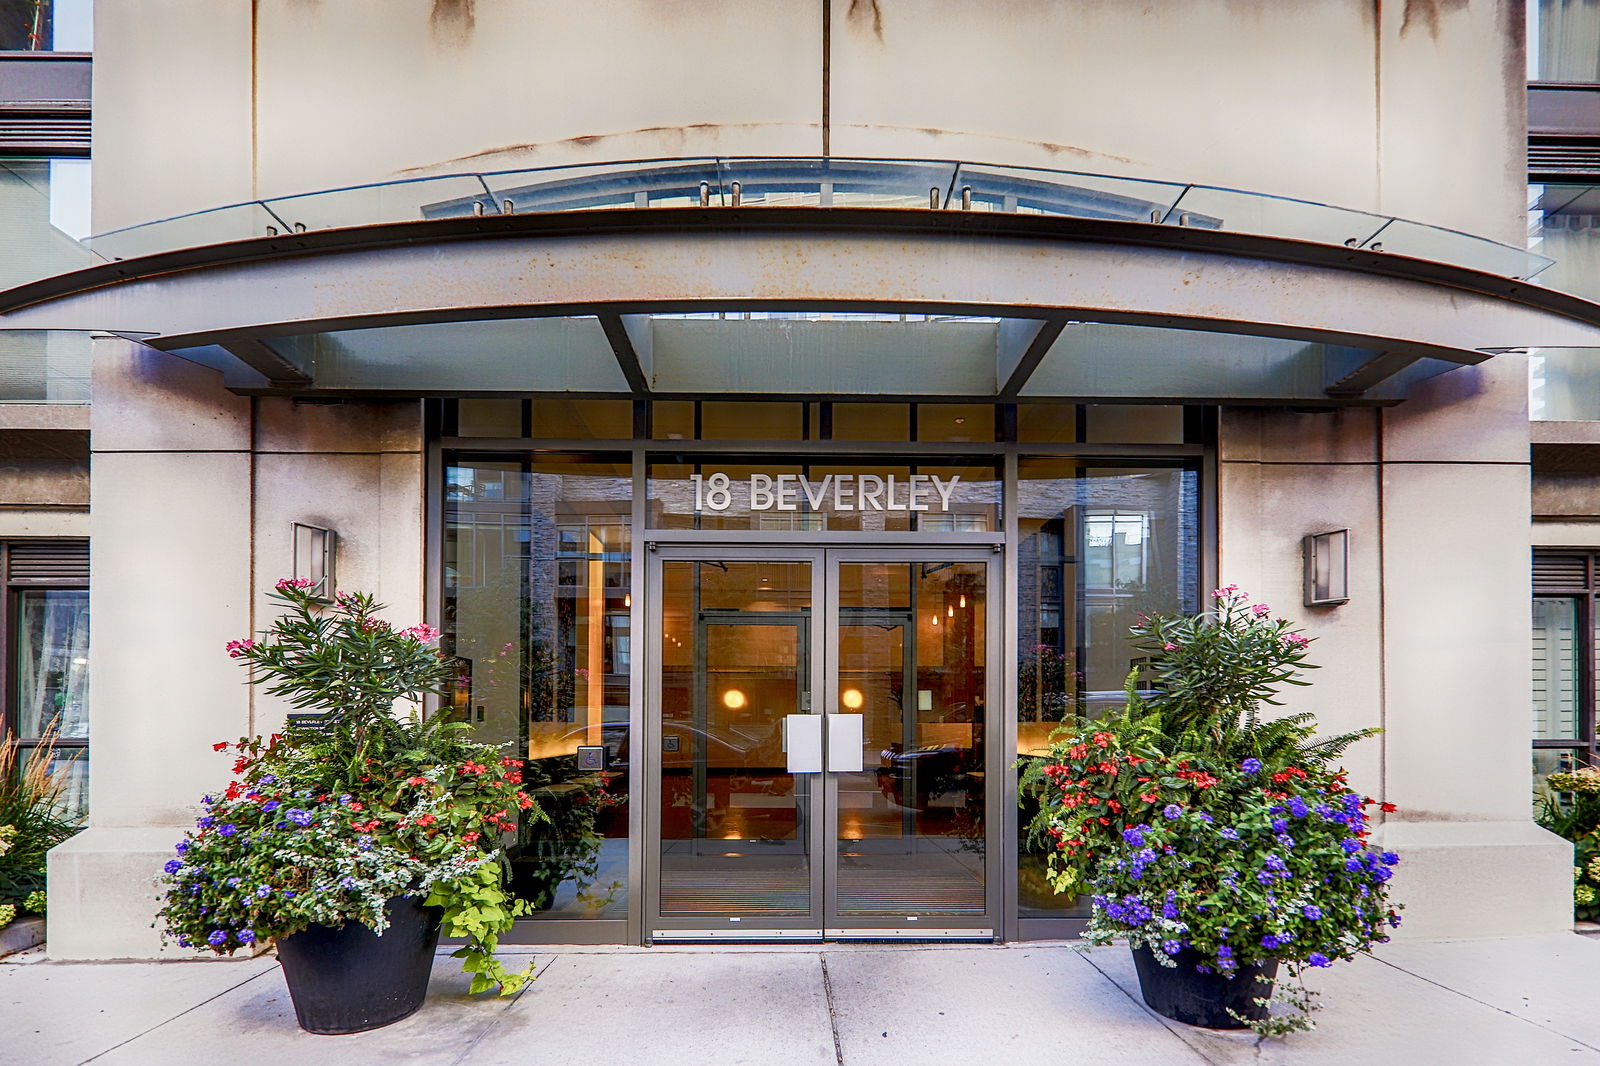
(844, 742)
(802, 742)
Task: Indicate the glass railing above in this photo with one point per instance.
(751, 182)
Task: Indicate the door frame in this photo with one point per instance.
(823, 923)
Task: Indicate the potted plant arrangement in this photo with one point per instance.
(1569, 806)
(357, 834)
(1219, 843)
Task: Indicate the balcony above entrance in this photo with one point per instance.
(790, 278)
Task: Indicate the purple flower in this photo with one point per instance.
(270, 806)
(1317, 958)
(182, 846)
(217, 938)
(1134, 836)
(1251, 766)
(1270, 942)
(346, 798)
(1171, 811)
(228, 830)
(1351, 845)
(1312, 911)
(1389, 858)
(1352, 864)
(1230, 834)
(247, 936)
(173, 866)
(205, 822)
(263, 892)
(1171, 947)
(298, 816)
(1279, 825)
(1297, 806)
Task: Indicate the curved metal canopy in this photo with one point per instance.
(1071, 308)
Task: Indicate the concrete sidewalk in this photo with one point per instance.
(1517, 1001)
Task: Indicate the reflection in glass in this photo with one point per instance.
(537, 562)
(912, 663)
(735, 655)
(53, 663)
(1098, 546)
(1555, 668)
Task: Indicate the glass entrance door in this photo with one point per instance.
(821, 758)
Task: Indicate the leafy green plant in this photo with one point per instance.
(1569, 806)
(33, 819)
(355, 805)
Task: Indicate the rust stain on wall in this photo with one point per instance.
(452, 20)
(1428, 14)
(864, 13)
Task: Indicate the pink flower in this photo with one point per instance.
(294, 583)
(237, 648)
(1261, 610)
(1169, 647)
(1296, 641)
(422, 633)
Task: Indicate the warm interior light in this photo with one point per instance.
(963, 599)
(627, 599)
(935, 619)
(852, 698)
(949, 612)
(733, 699)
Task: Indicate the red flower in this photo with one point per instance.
(471, 837)
(416, 780)
(1388, 808)
(221, 745)
(357, 807)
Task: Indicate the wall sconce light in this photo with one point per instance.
(1327, 559)
(314, 551)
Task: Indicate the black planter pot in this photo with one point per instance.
(1204, 999)
(350, 979)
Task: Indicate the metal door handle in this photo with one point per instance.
(844, 742)
(802, 743)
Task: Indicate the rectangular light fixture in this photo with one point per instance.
(314, 552)
(1327, 568)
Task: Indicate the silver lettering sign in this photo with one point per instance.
(837, 492)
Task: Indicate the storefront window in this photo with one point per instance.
(538, 592)
(1098, 545)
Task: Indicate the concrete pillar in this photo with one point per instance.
(1456, 662)
(169, 528)
(193, 494)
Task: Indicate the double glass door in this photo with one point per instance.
(821, 755)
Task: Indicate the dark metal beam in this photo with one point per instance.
(1023, 343)
(629, 336)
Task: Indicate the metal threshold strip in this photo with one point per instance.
(819, 935)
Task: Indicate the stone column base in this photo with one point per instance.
(104, 895)
(1479, 879)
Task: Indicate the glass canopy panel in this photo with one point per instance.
(1026, 190)
(1273, 216)
(1401, 237)
(839, 182)
(826, 355)
(505, 355)
(1092, 359)
(237, 223)
(395, 201)
(606, 185)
